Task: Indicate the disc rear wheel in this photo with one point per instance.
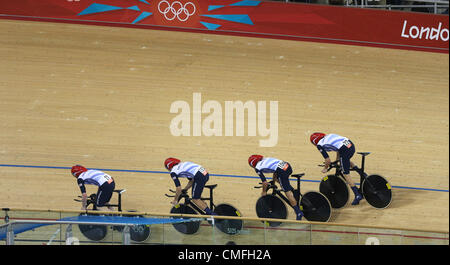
(377, 191)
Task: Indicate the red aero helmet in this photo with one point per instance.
(171, 162)
(77, 170)
(315, 137)
(254, 159)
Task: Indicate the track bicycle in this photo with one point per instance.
(227, 226)
(374, 188)
(138, 233)
(314, 205)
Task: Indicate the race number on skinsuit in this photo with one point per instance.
(108, 178)
(283, 165)
(203, 171)
(347, 143)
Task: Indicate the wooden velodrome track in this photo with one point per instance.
(101, 97)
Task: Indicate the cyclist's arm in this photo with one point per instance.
(177, 195)
(326, 157)
(83, 201)
(175, 179)
(261, 175)
(80, 182)
(189, 185)
(177, 183)
(327, 162)
(322, 151)
(264, 182)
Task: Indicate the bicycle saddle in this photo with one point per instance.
(211, 186)
(298, 175)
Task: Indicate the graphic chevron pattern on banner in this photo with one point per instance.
(270, 19)
(96, 8)
(239, 18)
(210, 26)
(142, 16)
(244, 19)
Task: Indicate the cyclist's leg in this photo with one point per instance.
(104, 195)
(346, 154)
(197, 190)
(283, 178)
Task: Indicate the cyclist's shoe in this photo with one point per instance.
(299, 216)
(360, 192)
(209, 212)
(357, 199)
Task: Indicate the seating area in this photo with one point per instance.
(425, 6)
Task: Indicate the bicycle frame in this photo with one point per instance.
(210, 199)
(119, 200)
(360, 171)
(188, 199)
(277, 191)
(91, 200)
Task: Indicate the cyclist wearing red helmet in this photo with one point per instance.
(98, 178)
(344, 149)
(281, 171)
(197, 176)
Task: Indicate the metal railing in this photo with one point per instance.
(68, 233)
(434, 5)
(256, 231)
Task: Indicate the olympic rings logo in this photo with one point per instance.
(176, 10)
